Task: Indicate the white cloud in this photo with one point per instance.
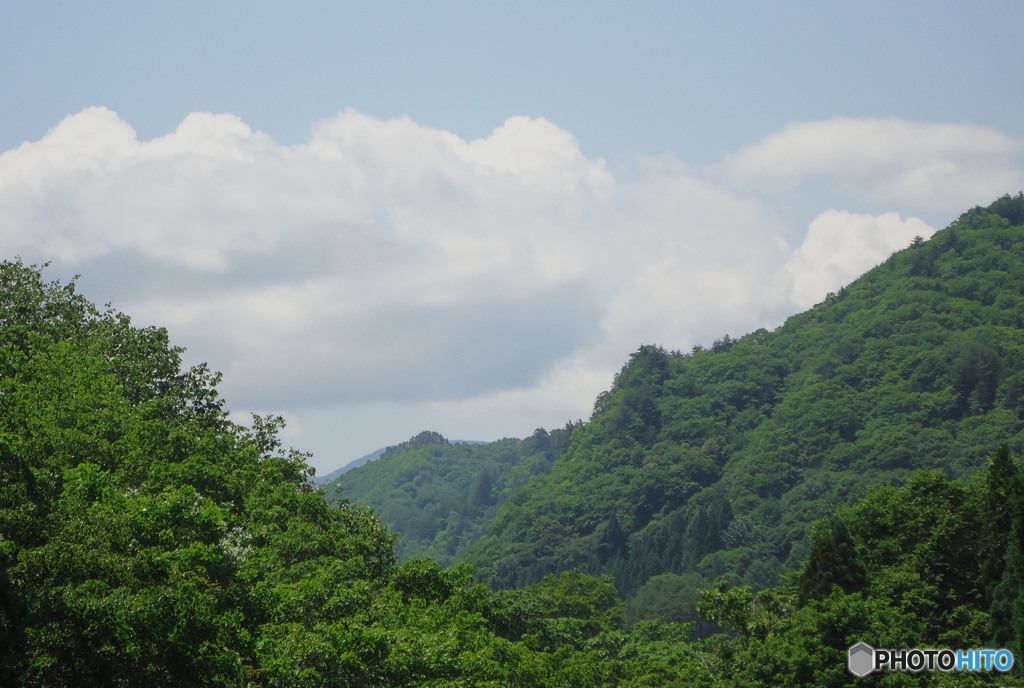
(387, 265)
(220, 137)
(378, 259)
(933, 166)
(841, 246)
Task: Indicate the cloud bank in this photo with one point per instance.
(503, 279)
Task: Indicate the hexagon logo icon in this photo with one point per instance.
(861, 661)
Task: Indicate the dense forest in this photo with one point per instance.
(443, 494)
(146, 539)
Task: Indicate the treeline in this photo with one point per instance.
(933, 564)
(306, 595)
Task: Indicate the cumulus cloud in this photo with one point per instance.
(934, 166)
(841, 246)
(382, 266)
(378, 259)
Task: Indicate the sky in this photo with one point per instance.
(381, 218)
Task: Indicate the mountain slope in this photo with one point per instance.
(355, 463)
(439, 495)
(717, 461)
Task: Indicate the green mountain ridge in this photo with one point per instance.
(355, 463)
(376, 454)
(440, 495)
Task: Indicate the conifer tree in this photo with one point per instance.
(833, 561)
(997, 514)
(1006, 613)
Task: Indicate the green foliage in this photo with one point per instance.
(666, 596)
(441, 496)
(145, 539)
(1002, 511)
(911, 591)
(424, 439)
(833, 561)
(1011, 208)
(574, 595)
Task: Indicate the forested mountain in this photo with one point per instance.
(438, 495)
(146, 539)
(715, 462)
(335, 474)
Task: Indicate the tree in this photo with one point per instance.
(752, 616)
(667, 596)
(833, 561)
(1010, 207)
(999, 501)
(1003, 538)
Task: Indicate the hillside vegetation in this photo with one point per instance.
(439, 495)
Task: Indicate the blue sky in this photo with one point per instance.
(691, 79)
(379, 218)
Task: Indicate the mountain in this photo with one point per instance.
(355, 463)
(715, 462)
(374, 455)
(440, 495)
